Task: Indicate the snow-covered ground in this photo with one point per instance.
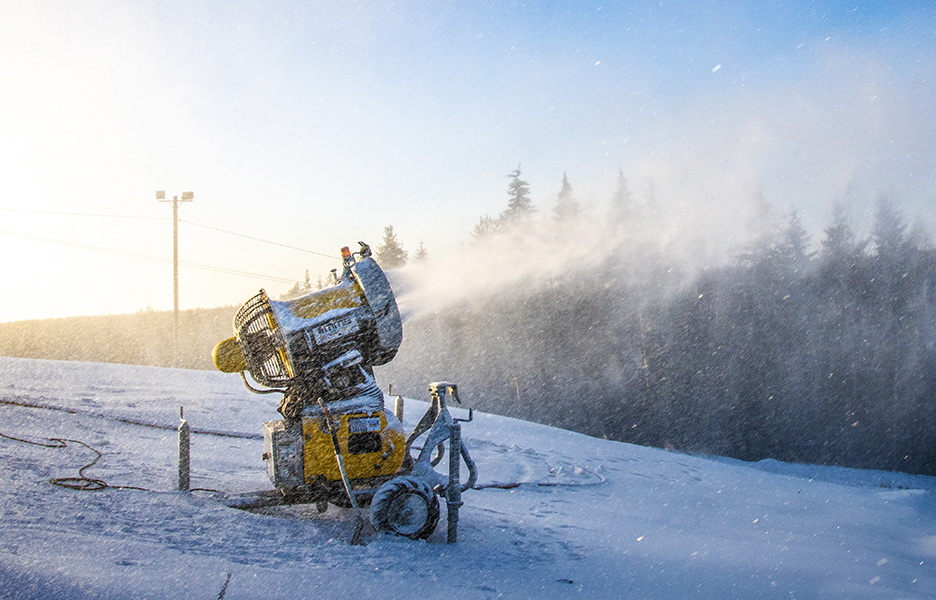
(616, 521)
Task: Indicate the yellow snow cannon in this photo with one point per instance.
(336, 443)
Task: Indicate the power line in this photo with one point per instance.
(146, 257)
(73, 214)
(264, 267)
(249, 237)
(256, 239)
(235, 272)
(83, 246)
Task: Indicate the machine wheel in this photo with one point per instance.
(405, 506)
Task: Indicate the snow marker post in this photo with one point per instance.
(453, 489)
(184, 451)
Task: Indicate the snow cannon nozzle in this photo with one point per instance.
(365, 251)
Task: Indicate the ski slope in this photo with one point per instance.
(591, 518)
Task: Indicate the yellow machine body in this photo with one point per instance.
(371, 445)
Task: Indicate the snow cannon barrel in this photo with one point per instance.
(324, 335)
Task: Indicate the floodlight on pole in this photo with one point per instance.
(186, 197)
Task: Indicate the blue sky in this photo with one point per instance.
(316, 124)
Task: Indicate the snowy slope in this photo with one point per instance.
(614, 521)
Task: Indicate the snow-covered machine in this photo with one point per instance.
(336, 442)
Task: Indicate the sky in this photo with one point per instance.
(302, 127)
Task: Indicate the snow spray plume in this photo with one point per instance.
(521, 261)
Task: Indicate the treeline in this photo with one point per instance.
(822, 356)
(601, 321)
(142, 338)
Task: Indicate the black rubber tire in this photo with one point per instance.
(405, 506)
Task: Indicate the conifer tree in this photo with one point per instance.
(519, 205)
(651, 203)
(485, 227)
(889, 230)
(300, 289)
(622, 201)
(567, 206)
(794, 244)
(840, 237)
(421, 253)
(390, 254)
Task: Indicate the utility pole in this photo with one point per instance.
(186, 197)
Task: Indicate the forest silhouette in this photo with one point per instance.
(604, 322)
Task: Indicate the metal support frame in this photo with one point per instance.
(441, 426)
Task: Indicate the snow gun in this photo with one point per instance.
(336, 443)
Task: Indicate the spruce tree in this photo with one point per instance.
(300, 289)
(840, 243)
(622, 202)
(390, 254)
(794, 244)
(421, 253)
(567, 206)
(519, 205)
(487, 226)
(889, 230)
